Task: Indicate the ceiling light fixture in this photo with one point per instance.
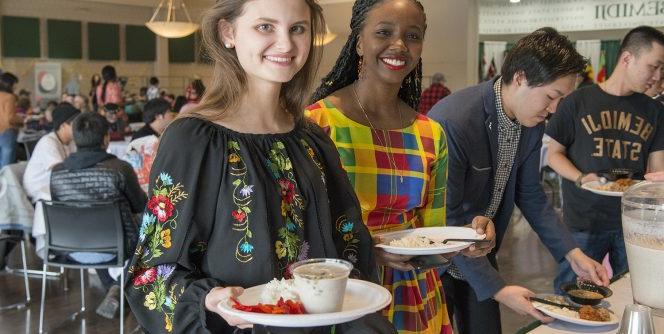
(515, 1)
(170, 27)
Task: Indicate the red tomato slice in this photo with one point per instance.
(282, 307)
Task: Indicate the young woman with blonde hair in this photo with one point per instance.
(242, 186)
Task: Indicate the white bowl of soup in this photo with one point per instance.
(321, 283)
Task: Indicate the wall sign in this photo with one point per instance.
(567, 15)
(48, 81)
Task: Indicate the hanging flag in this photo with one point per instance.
(601, 75)
(588, 72)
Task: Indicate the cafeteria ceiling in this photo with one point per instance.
(338, 10)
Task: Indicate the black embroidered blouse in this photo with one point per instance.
(235, 209)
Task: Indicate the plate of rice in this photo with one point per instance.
(427, 240)
(611, 188)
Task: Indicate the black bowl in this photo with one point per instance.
(604, 291)
(617, 174)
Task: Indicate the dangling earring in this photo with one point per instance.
(360, 65)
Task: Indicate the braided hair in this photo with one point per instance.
(345, 70)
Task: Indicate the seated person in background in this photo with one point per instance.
(48, 115)
(91, 174)
(66, 98)
(116, 123)
(142, 95)
(80, 102)
(134, 108)
(140, 102)
(180, 101)
(157, 115)
(23, 106)
(143, 147)
(50, 150)
(194, 94)
(169, 97)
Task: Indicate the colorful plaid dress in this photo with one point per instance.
(408, 196)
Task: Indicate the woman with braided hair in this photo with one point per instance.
(396, 159)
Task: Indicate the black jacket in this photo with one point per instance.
(94, 175)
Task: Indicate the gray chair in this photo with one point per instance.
(29, 147)
(82, 227)
(18, 239)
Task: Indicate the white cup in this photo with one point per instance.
(321, 283)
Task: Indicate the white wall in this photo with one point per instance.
(451, 44)
(614, 34)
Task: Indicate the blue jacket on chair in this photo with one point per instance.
(469, 118)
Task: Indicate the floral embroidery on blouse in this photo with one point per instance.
(314, 158)
(160, 217)
(242, 199)
(159, 297)
(344, 227)
(154, 235)
(289, 248)
(347, 229)
(153, 283)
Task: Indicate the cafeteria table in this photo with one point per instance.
(119, 148)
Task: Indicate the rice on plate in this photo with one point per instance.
(417, 241)
(555, 309)
(276, 289)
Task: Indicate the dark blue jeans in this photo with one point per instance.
(8, 147)
(595, 244)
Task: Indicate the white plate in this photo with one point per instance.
(592, 187)
(437, 233)
(361, 298)
(614, 319)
